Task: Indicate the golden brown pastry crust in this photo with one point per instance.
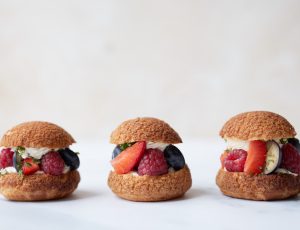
(144, 129)
(38, 186)
(259, 187)
(37, 134)
(151, 188)
(257, 125)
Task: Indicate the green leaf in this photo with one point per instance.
(126, 145)
(27, 164)
(20, 150)
(284, 141)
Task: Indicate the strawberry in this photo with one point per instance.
(128, 159)
(256, 158)
(29, 166)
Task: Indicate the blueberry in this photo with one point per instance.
(70, 158)
(116, 152)
(295, 143)
(17, 161)
(174, 157)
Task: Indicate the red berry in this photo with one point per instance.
(223, 157)
(129, 158)
(235, 160)
(290, 158)
(256, 158)
(29, 166)
(6, 158)
(52, 163)
(153, 163)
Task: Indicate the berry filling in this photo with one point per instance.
(146, 158)
(28, 161)
(262, 157)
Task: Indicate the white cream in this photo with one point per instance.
(171, 170)
(133, 173)
(7, 170)
(237, 144)
(66, 169)
(242, 144)
(154, 145)
(36, 153)
(285, 171)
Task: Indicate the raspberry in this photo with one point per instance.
(235, 160)
(52, 163)
(6, 158)
(153, 163)
(290, 158)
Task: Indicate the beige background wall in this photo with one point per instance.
(87, 65)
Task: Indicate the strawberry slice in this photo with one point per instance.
(129, 158)
(256, 158)
(29, 166)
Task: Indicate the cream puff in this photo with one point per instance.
(147, 166)
(36, 162)
(262, 157)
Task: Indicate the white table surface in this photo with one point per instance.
(93, 206)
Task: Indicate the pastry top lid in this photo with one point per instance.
(144, 129)
(37, 134)
(257, 125)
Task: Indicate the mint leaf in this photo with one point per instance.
(126, 145)
(19, 151)
(284, 141)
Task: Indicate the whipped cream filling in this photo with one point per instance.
(237, 144)
(8, 170)
(285, 171)
(36, 153)
(66, 169)
(233, 143)
(154, 145)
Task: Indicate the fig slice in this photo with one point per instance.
(273, 158)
